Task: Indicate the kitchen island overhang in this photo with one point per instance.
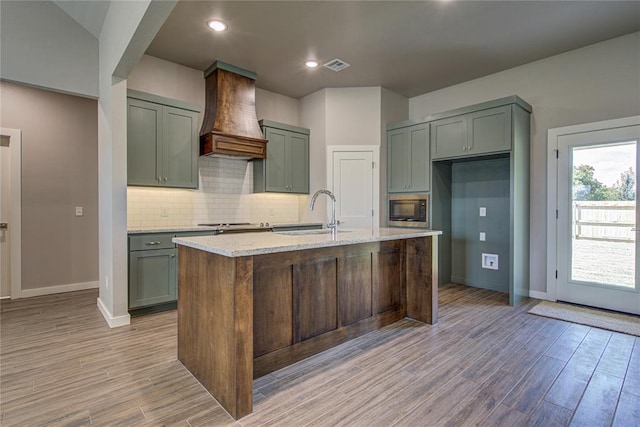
(253, 303)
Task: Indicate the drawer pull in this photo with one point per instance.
(153, 243)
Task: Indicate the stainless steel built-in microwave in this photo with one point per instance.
(409, 210)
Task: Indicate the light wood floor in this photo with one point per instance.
(485, 363)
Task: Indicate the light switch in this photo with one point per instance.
(79, 211)
(483, 211)
(483, 236)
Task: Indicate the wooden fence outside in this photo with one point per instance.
(610, 221)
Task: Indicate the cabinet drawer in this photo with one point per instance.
(151, 241)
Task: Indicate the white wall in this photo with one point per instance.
(594, 83)
(276, 107)
(42, 46)
(394, 108)
(168, 79)
(313, 115)
(353, 116)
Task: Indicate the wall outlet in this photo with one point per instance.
(79, 211)
(164, 212)
(483, 211)
(490, 261)
(483, 236)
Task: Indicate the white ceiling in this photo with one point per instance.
(409, 47)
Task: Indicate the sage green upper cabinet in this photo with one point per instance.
(162, 142)
(478, 133)
(408, 165)
(286, 168)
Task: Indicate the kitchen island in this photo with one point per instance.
(253, 303)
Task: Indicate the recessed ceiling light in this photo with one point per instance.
(311, 64)
(217, 25)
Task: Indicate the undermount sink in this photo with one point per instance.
(305, 232)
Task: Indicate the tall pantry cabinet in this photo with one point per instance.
(480, 193)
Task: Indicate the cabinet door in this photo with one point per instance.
(398, 157)
(272, 309)
(144, 134)
(315, 298)
(275, 163)
(153, 277)
(449, 137)
(420, 161)
(298, 162)
(179, 148)
(356, 288)
(490, 130)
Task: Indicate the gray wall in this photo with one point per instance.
(43, 46)
(598, 82)
(59, 172)
(475, 184)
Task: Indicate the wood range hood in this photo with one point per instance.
(230, 126)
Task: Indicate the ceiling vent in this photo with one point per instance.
(336, 65)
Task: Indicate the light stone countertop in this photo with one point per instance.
(247, 244)
(190, 228)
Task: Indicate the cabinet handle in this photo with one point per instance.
(152, 243)
(173, 256)
(158, 179)
(165, 179)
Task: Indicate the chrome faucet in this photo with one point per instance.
(333, 225)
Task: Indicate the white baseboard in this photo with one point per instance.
(58, 289)
(539, 295)
(113, 321)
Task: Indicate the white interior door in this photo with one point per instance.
(5, 232)
(597, 244)
(352, 182)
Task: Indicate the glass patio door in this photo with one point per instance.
(597, 237)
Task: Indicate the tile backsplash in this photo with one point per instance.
(224, 195)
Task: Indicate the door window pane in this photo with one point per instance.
(604, 214)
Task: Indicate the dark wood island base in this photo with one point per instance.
(240, 318)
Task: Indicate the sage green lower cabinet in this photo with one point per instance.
(479, 133)
(153, 270)
(408, 162)
(162, 142)
(286, 168)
